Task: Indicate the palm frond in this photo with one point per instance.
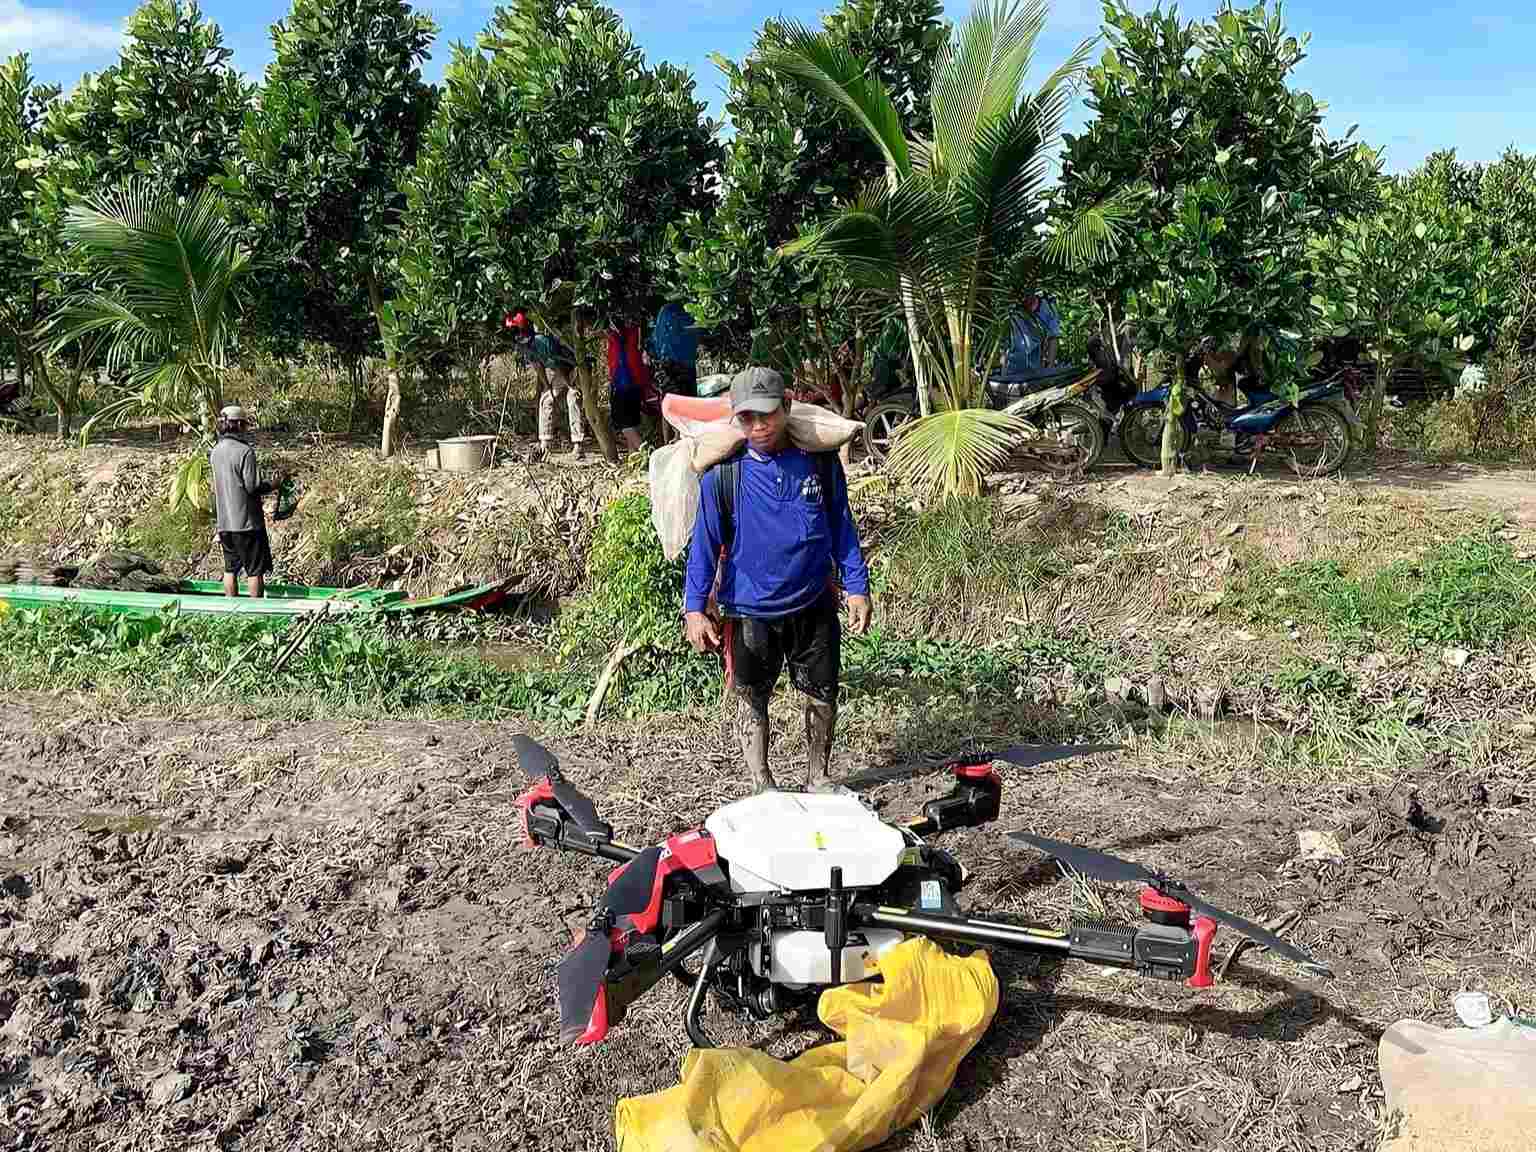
(1093, 234)
(815, 61)
(979, 78)
(949, 454)
(1070, 70)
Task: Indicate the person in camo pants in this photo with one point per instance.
(555, 366)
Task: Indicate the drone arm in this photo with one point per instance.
(961, 929)
(1163, 951)
(975, 800)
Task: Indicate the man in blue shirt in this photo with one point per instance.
(790, 527)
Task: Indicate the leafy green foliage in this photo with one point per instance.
(945, 234)
(1303, 679)
(23, 105)
(1215, 171)
(166, 274)
(347, 666)
(580, 159)
(317, 184)
(634, 597)
(1471, 591)
(794, 156)
(168, 111)
(1398, 279)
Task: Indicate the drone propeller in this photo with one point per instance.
(1113, 870)
(538, 762)
(534, 759)
(583, 969)
(1033, 755)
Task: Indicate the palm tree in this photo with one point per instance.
(943, 235)
(164, 296)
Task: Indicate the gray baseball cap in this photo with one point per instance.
(757, 390)
(232, 413)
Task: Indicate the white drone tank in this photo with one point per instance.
(791, 841)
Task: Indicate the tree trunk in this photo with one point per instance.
(388, 438)
(577, 339)
(919, 372)
(1172, 421)
(1373, 408)
(595, 422)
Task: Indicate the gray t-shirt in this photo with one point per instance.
(237, 490)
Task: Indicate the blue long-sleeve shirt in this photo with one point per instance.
(786, 540)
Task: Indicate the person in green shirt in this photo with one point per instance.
(555, 366)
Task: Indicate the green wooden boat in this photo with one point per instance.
(206, 597)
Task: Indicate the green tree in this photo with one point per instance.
(165, 273)
(795, 155)
(942, 233)
(590, 158)
(1202, 176)
(451, 295)
(1399, 279)
(169, 110)
(23, 104)
(318, 178)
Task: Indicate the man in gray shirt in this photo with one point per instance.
(237, 493)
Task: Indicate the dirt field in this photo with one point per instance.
(238, 933)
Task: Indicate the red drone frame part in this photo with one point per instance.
(1161, 908)
(541, 792)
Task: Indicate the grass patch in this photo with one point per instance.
(1470, 592)
(345, 666)
(956, 569)
(343, 529)
(175, 539)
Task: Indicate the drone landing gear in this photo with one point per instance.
(712, 958)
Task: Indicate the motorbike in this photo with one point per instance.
(1315, 433)
(1068, 412)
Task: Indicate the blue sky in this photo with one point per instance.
(1414, 77)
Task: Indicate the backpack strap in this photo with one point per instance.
(727, 486)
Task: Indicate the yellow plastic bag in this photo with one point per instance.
(902, 1043)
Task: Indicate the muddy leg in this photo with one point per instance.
(820, 723)
(752, 731)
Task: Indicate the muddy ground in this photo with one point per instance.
(236, 933)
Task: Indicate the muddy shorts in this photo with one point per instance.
(809, 641)
(247, 552)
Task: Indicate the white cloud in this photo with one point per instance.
(54, 34)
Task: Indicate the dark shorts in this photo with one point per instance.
(624, 407)
(674, 378)
(811, 642)
(247, 552)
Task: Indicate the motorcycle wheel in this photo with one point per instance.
(1141, 435)
(1316, 440)
(1068, 426)
(880, 427)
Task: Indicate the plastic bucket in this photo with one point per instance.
(465, 453)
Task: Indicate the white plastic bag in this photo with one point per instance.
(1461, 1089)
(674, 497)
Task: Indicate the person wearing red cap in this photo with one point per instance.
(554, 365)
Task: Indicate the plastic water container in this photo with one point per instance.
(1461, 1089)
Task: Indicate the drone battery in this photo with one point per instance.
(803, 957)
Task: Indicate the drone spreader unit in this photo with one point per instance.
(786, 893)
